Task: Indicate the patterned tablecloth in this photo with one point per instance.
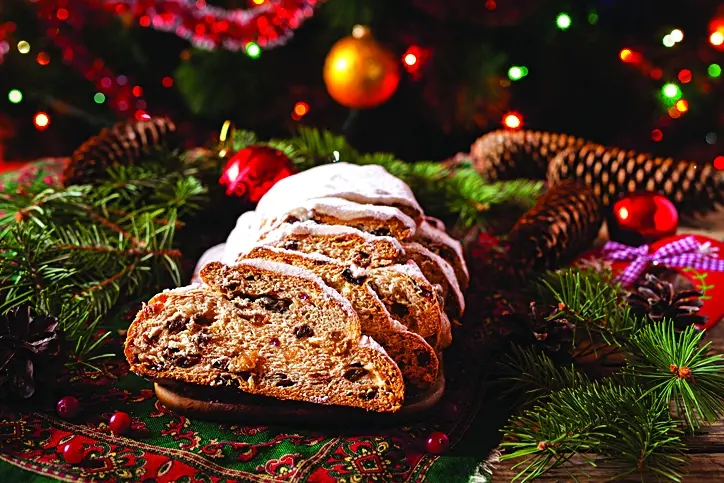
(166, 447)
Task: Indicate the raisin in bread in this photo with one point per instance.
(378, 220)
(274, 330)
(439, 242)
(370, 184)
(414, 356)
(343, 243)
(410, 298)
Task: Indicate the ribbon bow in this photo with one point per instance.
(685, 252)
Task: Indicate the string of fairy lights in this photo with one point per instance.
(126, 97)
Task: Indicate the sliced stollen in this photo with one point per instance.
(414, 356)
(276, 331)
(438, 241)
(343, 243)
(375, 219)
(438, 271)
(411, 299)
(370, 184)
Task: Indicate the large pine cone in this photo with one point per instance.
(126, 143)
(612, 172)
(502, 155)
(563, 224)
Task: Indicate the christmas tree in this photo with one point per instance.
(642, 75)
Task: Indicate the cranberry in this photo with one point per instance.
(437, 443)
(275, 342)
(73, 451)
(68, 407)
(120, 423)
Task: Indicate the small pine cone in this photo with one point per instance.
(563, 223)
(125, 143)
(29, 350)
(660, 299)
(695, 188)
(501, 155)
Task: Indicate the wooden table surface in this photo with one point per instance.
(706, 449)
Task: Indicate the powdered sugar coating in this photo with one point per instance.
(435, 222)
(370, 343)
(363, 184)
(426, 231)
(292, 271)
(244, 233)
(341, 209)
(185, 289)
(447, 270)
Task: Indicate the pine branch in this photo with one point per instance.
(535, 374)
(678, 369)
(613, 421)
(590, 300)
(74, 252)
(459, 194)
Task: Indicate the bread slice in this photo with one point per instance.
(439, 242)
(370, 184)
(414, 356)
(374, 219)
(276, 331)
(438, 271)
(409, 297)
(343, 243)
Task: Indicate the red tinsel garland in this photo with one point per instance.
(268, 25)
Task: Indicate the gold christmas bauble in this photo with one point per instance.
(359, 72)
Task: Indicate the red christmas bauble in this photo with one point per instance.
(120, 423)
(67, 407)
(73, 451)
(437, 443)
(251, 172)
(642, 219)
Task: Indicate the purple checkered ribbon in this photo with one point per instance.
(685, 252)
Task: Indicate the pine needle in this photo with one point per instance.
(678, 369)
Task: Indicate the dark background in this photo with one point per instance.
(576, 83)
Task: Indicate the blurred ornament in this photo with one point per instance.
(359, 72)
(642, 218)
(513, 121)
(41, 121)
(252, 171)
(414, 60)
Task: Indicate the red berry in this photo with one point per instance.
(120, 423)
(73, 451)
(437, 443)
(68, 407)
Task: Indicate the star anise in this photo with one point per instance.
(28, 342)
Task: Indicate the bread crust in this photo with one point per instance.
(219, 343)
(415, 357)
